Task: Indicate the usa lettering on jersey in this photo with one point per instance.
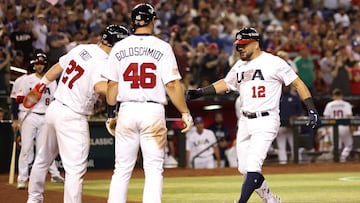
(249, 75)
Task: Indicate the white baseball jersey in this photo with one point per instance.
(16, 91)
(83, 66)
(341, 109)
(136, 65)
(338, 109)
(195, 142)
(259, 82)
(29, 82)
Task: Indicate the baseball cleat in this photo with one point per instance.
(274, 199)
(57, 179)
(21, 185)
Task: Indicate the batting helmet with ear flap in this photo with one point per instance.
(142, 14)
(114, 33)
(39, 58)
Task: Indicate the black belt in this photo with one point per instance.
(149, 101)
(41, 114)
(255, 115)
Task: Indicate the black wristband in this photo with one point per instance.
(309, 104)
(209, 90)
(111, 111)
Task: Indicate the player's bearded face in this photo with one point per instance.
(245, 51)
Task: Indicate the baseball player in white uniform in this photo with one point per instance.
(338, 108)
(32, 125)
(258, 77)
(142, 69)
(67, 129)
(201, 145)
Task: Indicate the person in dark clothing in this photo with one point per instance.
(223, 137)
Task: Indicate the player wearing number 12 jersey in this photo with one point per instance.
(67, 126)
(258, 77)
(142, 69)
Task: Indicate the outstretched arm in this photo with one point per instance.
(215, 88)
(36, 92)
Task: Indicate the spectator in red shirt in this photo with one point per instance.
(355, 78)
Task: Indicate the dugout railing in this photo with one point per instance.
(298, 123)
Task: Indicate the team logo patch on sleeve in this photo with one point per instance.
(85, 55)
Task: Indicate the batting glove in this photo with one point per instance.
(188, 121)
(314, 119)
(34, 95)
(194, 94)
(111, 125)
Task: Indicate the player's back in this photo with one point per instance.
(338, 109)
(82, 66)
(143, 64)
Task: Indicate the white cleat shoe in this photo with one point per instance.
(57, 179)
(21, 185)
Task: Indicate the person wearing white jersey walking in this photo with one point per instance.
(142, 69)
(32, 121)
(339, 108)
(67, 128)
(258, 77)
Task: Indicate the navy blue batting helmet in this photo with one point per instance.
(142, 14)
(114, 33)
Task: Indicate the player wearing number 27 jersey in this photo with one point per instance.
(67, 126)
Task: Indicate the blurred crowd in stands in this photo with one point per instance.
(320, 39)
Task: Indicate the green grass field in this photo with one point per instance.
(292, 188)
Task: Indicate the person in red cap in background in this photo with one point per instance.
(214, 64)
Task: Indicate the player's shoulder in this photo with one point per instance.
(208, 131)
(31, 76)
(272, 57)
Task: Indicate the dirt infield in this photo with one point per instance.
(9, 193)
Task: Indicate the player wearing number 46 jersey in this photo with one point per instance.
(258, 77)
(67, 126)
(142, 69)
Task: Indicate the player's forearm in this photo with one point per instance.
(176, 94)
(53, 73)
(101, 87)
(112, 89)
(301, 88)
